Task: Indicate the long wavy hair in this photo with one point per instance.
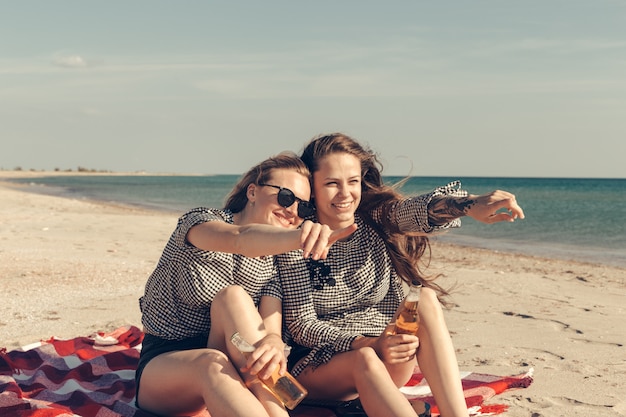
(261, 173)
(407, 251)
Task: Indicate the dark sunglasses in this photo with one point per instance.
(320, 274)
(286, 198)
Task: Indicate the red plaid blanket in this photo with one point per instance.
(94, 377)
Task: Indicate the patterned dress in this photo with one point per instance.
(355, 290)
(178, 295)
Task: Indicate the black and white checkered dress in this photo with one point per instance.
(178, 295)
(366, 290)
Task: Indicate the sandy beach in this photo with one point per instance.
(73, 267)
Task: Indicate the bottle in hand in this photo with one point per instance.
(285, 387)
(407, 319)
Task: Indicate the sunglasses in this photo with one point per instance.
(286, 198)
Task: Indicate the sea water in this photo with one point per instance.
(569, 218)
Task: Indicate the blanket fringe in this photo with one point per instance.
(6, 364)
(493, 409)
(525, 380)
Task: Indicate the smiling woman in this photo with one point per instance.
(216, 263)
(339, 312)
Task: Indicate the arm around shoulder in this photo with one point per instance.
(250, 240)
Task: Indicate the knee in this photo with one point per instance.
(231, 294)
(229, 297)
(208, 356)
(367, 361)
(211, 362)
(429, 305)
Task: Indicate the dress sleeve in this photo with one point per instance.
(411, 215)
(193, 218)
(196, 270)
(273, 288)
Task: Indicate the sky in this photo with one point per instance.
(494, 88)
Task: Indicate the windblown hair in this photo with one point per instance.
(261, 173)
(406, 250)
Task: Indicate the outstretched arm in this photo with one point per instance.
(493, 207)
(260, 239)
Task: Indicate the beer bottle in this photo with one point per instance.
(407, 319)
(284, 387)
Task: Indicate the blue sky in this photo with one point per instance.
(464, 88)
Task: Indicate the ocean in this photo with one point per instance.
(567, 218)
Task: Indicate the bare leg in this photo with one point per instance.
(232, 310)
(358, 372)
(186, 382)
(402, 372)
(437, 359)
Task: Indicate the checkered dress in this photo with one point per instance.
(178, 295)
(367, 289)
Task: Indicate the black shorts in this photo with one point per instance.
(153, 346)
(297, 352)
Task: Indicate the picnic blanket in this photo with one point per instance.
(93, 376)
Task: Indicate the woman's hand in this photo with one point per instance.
(493, 207)
(395, 348)
(269, 354)
(496, 206)
(316, 239)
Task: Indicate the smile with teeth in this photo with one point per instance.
(342, 205)
(284, 220)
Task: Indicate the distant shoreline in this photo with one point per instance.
(39, 174)
(556, 251)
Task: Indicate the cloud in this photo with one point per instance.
(70, 61)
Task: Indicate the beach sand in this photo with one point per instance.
(73, 267)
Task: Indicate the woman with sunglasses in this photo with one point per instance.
(344, 344)
(214, 279)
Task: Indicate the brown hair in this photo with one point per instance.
(406, 250)
(261, 173)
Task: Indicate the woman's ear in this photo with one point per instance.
(251, 193)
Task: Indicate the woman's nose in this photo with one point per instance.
(343, 191)
(292, 210)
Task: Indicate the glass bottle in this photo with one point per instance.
(407, 319)
(285, 387)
